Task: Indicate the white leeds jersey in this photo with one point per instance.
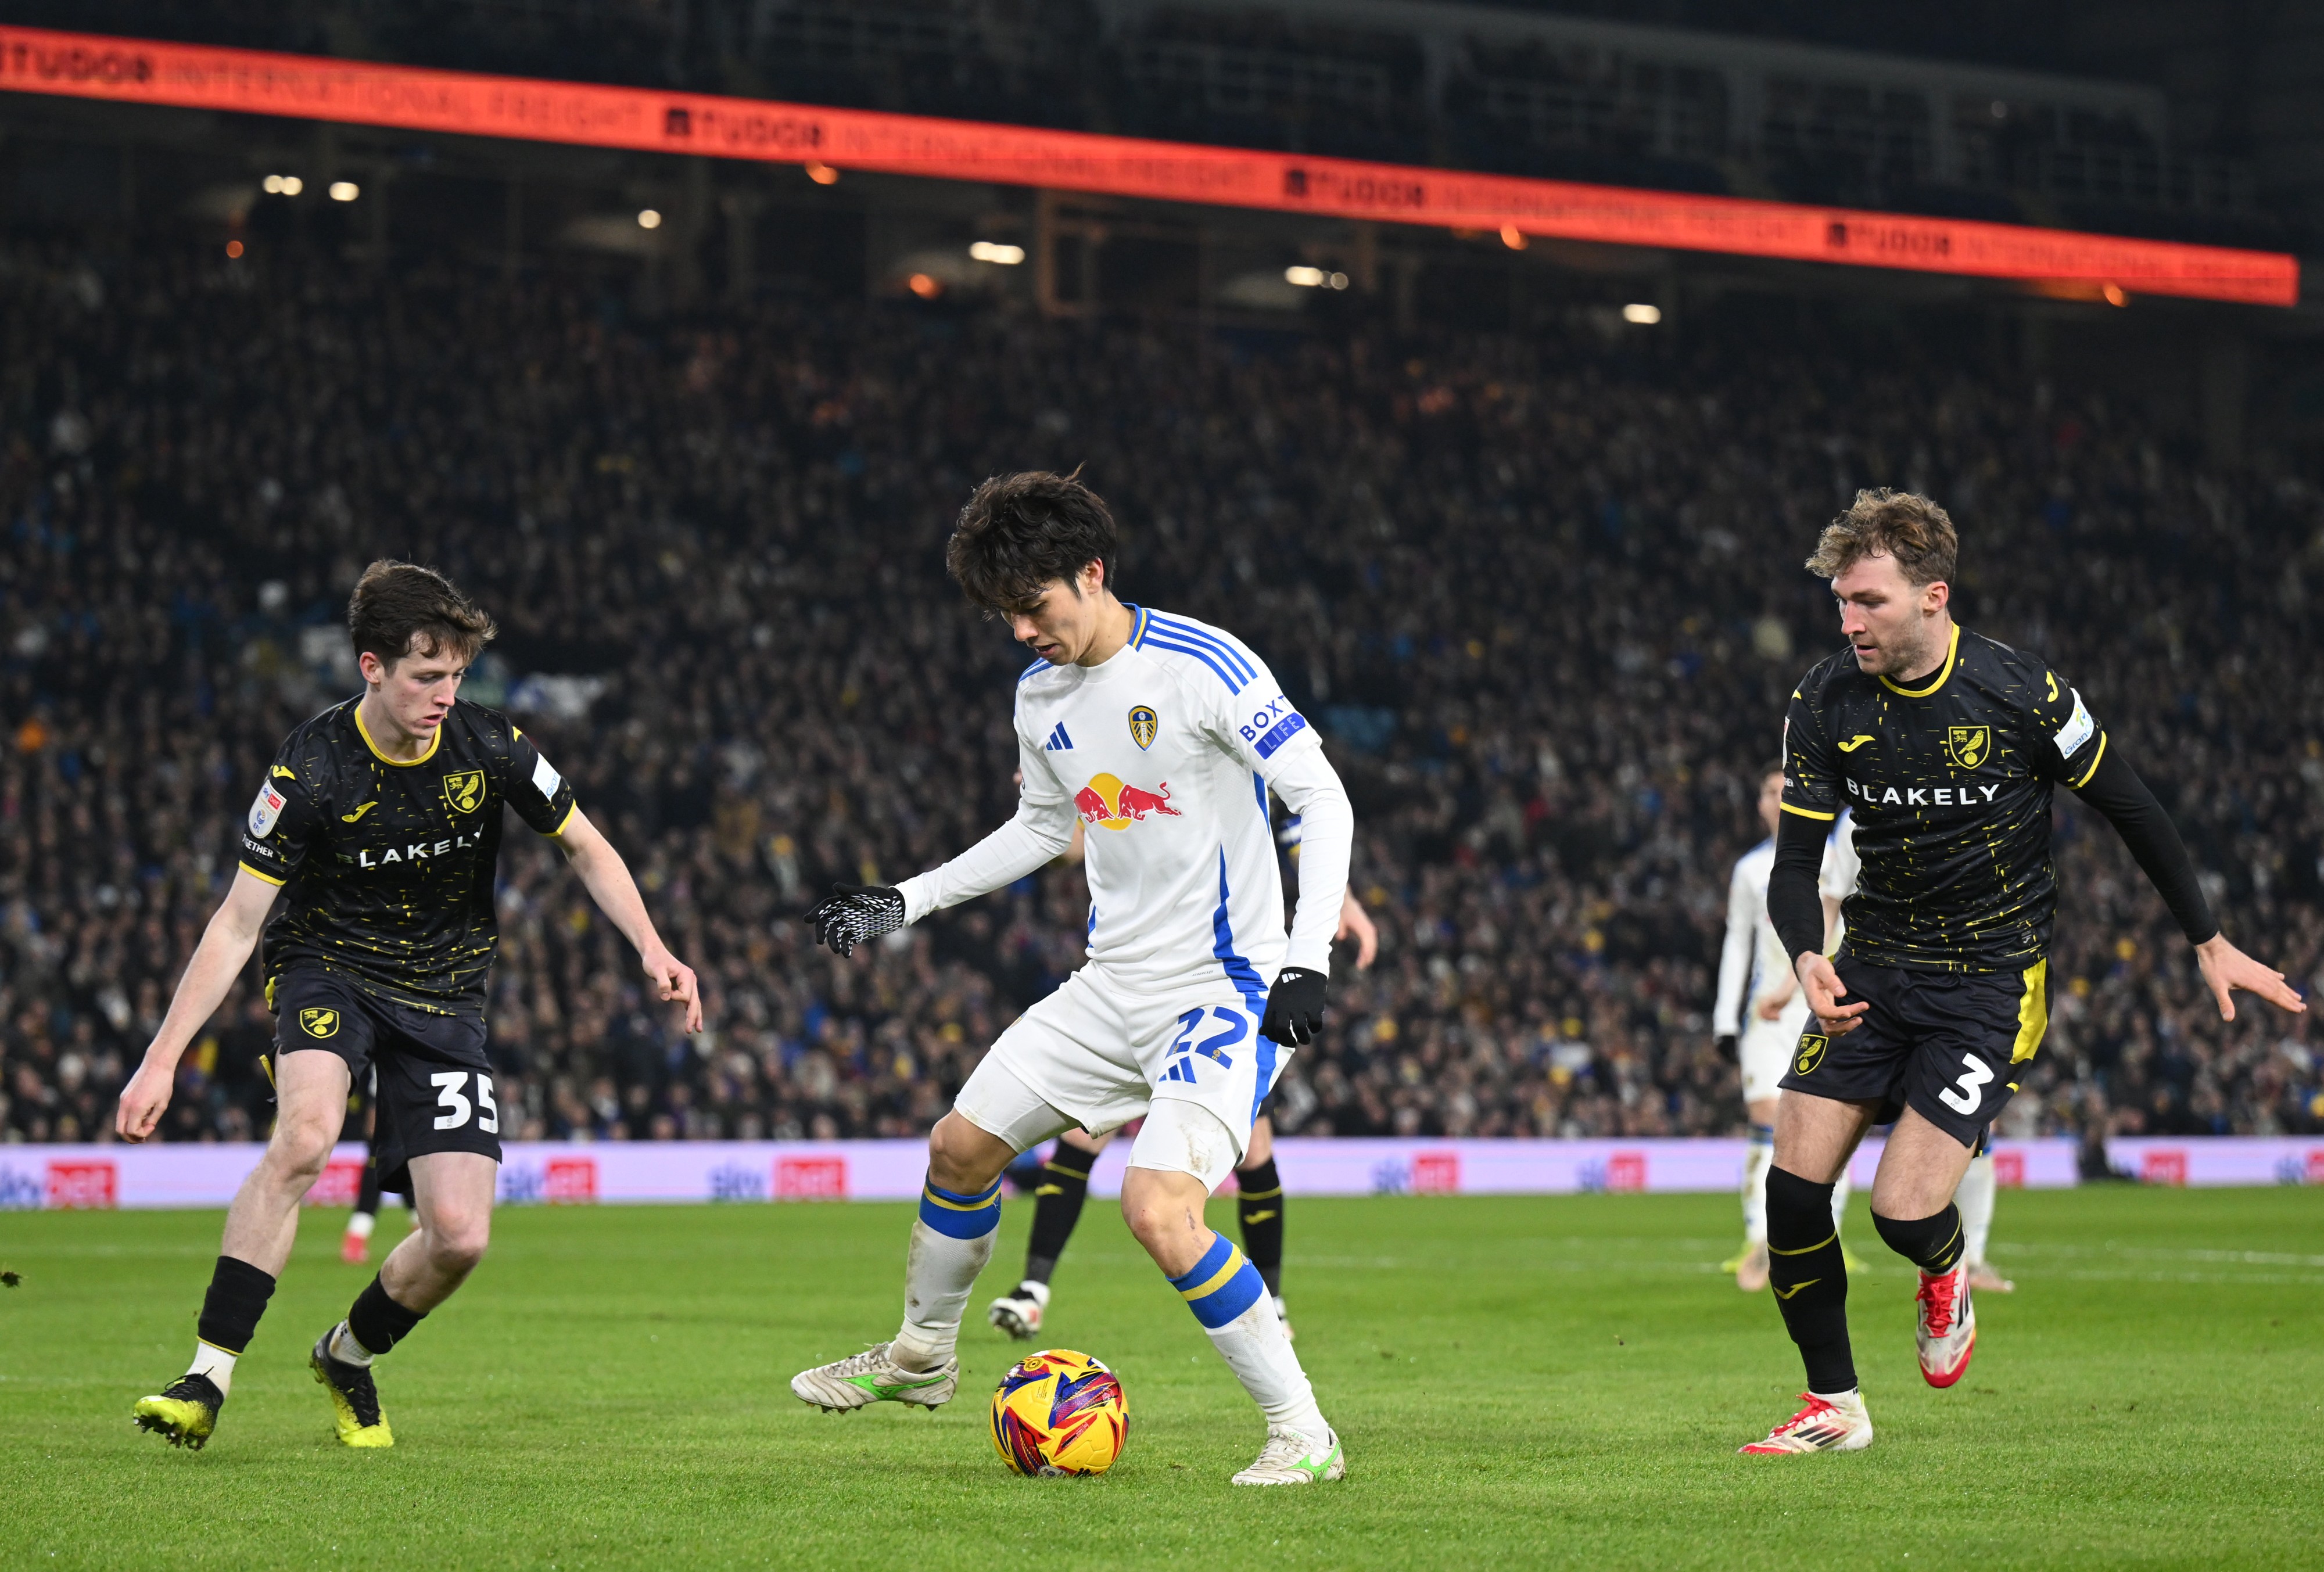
(1166, 752)
(1753, 957)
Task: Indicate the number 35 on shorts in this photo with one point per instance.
(451, 1097)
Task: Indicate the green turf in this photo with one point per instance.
(1540, 1382)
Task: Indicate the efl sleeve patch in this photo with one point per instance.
(2079, 729)
(545, 778)
(267, 811)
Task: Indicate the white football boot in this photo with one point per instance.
(1291, 1459)
(1018, 1312)
(1828, 1424)
(1984, 1279)
(1947, 1332)
(862, 1379)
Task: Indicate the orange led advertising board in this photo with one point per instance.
(248, 82)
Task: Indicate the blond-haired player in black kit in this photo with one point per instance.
(379, 825)
(1947, 746)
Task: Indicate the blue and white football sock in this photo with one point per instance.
(1975, 1197)
(1228, 1296)
(1755, 1160)
(951, 1242)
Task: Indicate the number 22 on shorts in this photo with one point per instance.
(1963, 1096)
(456, 1106)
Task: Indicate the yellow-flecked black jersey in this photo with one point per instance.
(388, 866)
(1950, 784)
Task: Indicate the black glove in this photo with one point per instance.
(1294, 1007)
(1725, 1043)
(854, 912)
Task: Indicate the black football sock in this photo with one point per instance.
(230, 1310)
(1810, 1279)
(1931, 1244)
(1259, 1209)
(1057, 1206)
(377, 1323)
(368, 1198)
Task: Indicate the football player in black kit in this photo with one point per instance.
(379, 823)
(1947, 746)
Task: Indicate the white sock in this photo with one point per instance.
(1840, 1190)
(1975, 1199)
(951, 1242)
(359, 1224)
(344, 1347)
(1256, 1351)
(1039, 1293)
(1757, 1158)
(214, 1363)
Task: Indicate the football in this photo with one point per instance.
(1059, 1412)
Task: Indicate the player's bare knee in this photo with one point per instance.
(456, 1240)
(963, 1158)
(300, 1147)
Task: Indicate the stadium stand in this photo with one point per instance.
(1542, 596)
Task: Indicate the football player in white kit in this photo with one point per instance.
(1753, 971)
(1164, 736)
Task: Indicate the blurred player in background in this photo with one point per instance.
(362, 1106)
(1948, 747)
(1752, 971)
(380, 823)
(1166, 735)
(1063, 1183)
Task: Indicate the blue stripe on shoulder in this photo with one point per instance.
(1191, 634)
(1154, 640)
(1038, 664)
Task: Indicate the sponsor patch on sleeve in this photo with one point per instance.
(1281, 732)
(266, 810)
(545, 778)
(2079, 729)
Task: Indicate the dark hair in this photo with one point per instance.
(1020, 533)
(1880, 522)
(400, 609)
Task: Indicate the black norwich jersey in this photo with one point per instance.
(389, 865)
(1949, 784)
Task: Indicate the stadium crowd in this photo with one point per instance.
(1541, 594)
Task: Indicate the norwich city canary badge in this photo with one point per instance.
(1143, 724)
(1966, 746)
(463, 790)
(319, 1022)
(1812, 1047)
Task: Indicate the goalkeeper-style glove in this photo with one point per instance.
(1294, 1007)
(854, 912)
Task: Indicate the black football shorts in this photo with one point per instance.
(1952, 1045)
(435, 1081)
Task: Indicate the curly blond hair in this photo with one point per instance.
(1880, 522)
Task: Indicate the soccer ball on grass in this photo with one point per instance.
(1059, 1412)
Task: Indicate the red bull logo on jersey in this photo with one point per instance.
(1111, 802)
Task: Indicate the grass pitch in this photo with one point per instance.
(1536, 1382)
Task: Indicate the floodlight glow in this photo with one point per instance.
(987, 251)
(1644, 315)
(1306, 277)
(648, 219)
(344, 191)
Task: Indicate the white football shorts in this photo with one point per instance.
(1766, 1046)
(1097, 1054)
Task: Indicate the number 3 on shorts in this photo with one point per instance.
(456, 1109)
(1962, 1097)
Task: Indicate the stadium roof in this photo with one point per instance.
(143, 71)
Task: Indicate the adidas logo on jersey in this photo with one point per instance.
(1059, 741)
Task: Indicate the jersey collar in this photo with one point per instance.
(434, 742)
(1952, 652)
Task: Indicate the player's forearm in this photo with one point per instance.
(2114, 790)
(1311, 788)
(1795, 905)
(608, 880)
(225, 949)
(1027, 842)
